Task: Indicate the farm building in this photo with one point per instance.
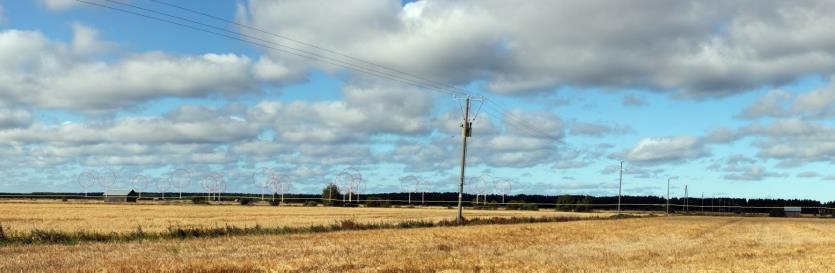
(792, 211)
(120, 196)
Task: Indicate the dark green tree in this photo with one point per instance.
(583, 205)
(330, 195)
(565, 203)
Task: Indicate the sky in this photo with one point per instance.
(730, 98)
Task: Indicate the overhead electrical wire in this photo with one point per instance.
(331, 51)
(219, 31)
(517, 121)
(327, 56)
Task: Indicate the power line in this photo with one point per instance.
(521, 121)
(316, 47)
(513, 119)
(219, 31)
(388, 73)
(331, 51)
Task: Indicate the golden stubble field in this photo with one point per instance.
(153, 217)
(654, 244)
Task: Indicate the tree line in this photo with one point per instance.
(331, 195)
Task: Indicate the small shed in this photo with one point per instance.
(792, 211)
(120, 196)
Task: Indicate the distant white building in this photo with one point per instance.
(792, 211)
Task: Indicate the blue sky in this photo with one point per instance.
(745, 111)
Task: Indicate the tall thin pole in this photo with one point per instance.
(668, 196)
(703, 202)
(464, 128)
(620, 185)
(686, 200)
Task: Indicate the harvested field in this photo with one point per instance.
(655, 244)
(151, 217)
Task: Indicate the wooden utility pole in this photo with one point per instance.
(668, 196)
(620, 185)
(465, 133)
(686, 200)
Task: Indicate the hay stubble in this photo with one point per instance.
(660, 244)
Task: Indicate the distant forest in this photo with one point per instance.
(562, 202)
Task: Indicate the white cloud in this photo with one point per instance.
(596, 129)
(365, 111)
(272, 71)
(808, 174)
(86, 41)
(577, 158)
(49, 74)
(14, 118)
(815, 104)
(525, 139)
(721, 135)
(670, 46)
(421, 157)
(135, 130)
(641, 45)
(534, 124)
(516, 143)
(818, 103)
(792, 141)
(374, 110)
(752, 173)
(260, 149)
(634, 170)
(665, 150)
(787, 128)
(59, 5)
(770, 105)
(798, 149)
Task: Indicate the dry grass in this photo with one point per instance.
(660, 244)
(105, 218)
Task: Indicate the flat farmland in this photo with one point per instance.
(154, 217)
(653, 244)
